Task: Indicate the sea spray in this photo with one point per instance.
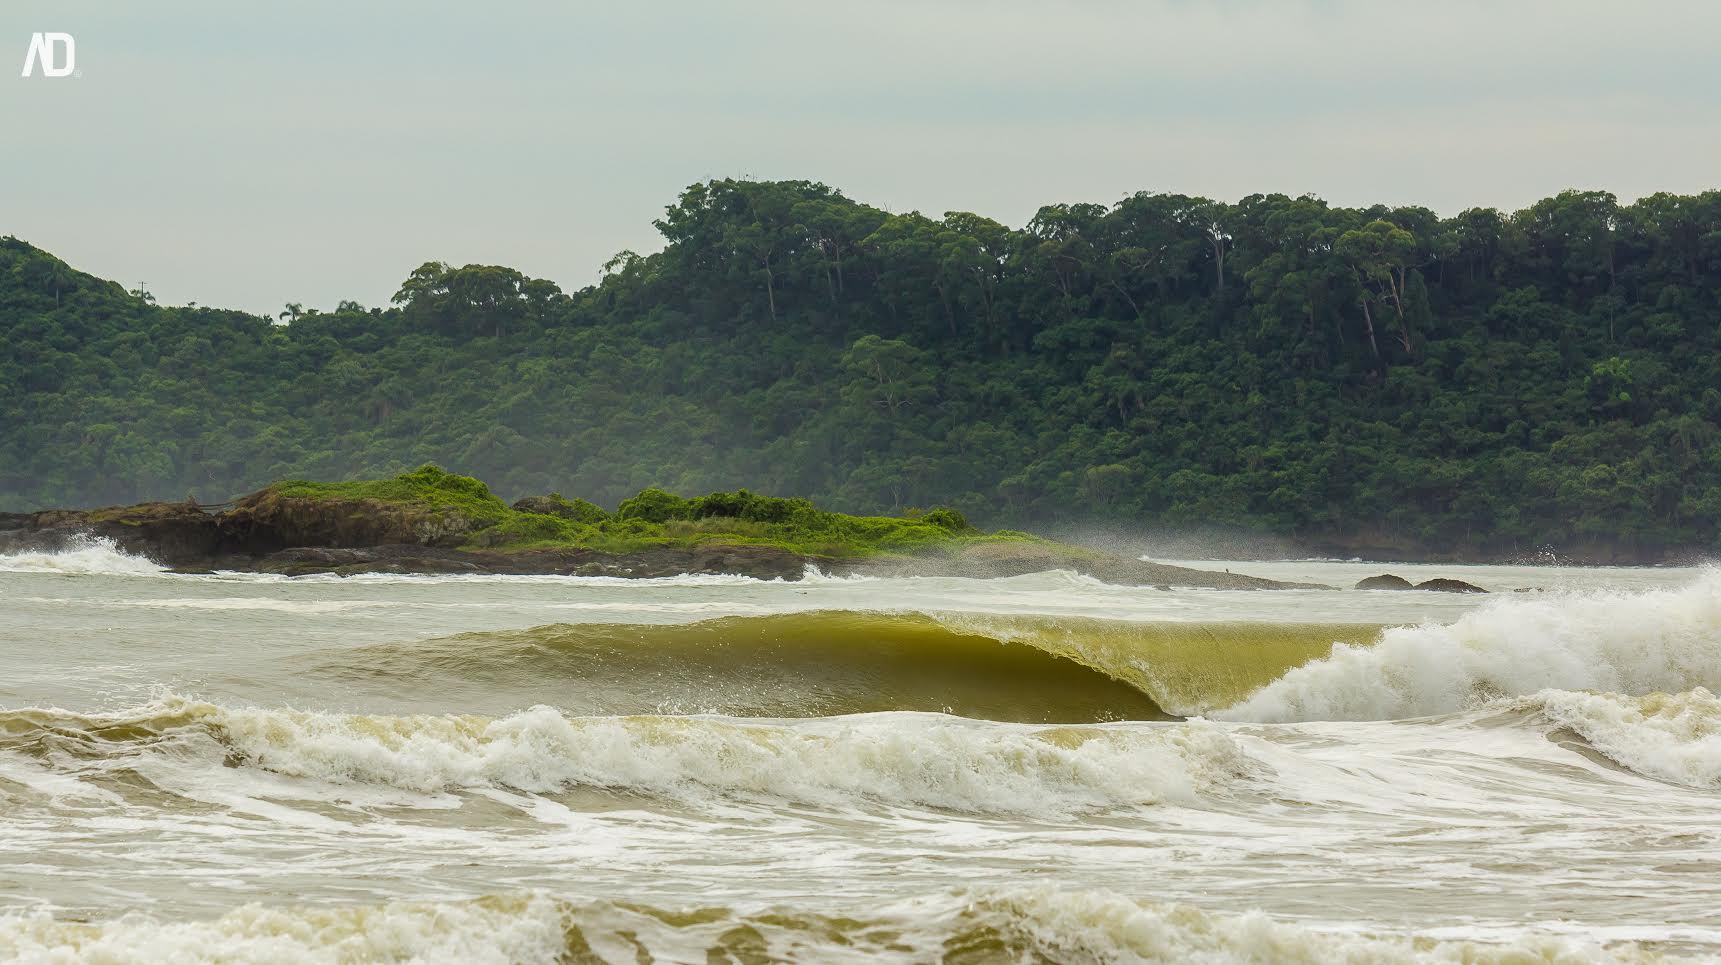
(81, 556)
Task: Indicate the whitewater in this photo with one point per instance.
(251, 768)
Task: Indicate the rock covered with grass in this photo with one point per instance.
(430, 520)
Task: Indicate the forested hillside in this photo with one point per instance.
(1370, 378)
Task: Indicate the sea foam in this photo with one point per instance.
(1003, 924)
(914, 760)
(1670, 737)
(893, 759)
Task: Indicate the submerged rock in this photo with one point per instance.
(1449, 586)
(1386, 581)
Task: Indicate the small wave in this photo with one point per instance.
(83, 556)
(487, 930)
(1002, 924)
(1099, 926)
(302, 607)
(1670, 737)
(1630, 643)
(812, 574)
(527, 579)
(904, 760)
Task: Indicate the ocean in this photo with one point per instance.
(241, 767)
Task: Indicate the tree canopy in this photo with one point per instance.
(1483, 383)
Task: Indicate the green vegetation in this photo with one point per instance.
(655, 518)
(1477, 383)
(429, 486)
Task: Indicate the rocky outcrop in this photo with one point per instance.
(270, 532)
(170, 533)
(1387, 581)
(266, 520)
(189, 536)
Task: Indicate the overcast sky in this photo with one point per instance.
(247, 155)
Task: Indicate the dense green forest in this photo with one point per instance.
(1381, 377)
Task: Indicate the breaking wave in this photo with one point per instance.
(82, 556)
(1623, 643)
(1670, 737)
(894, 760)
(979, 925)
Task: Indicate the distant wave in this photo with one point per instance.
(895, 760)
(548, 579)
(86, 556)
(1624, 643)
(1012, 924)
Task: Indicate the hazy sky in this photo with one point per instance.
(246, 155)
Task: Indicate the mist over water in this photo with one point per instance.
(253, 768)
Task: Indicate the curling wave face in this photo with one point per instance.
(1072, 669)
(821, 663)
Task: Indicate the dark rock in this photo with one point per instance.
(540, 504)
(556, 504)
(1449, 586)
(1385, 581)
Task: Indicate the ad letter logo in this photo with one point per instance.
(42, 48)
